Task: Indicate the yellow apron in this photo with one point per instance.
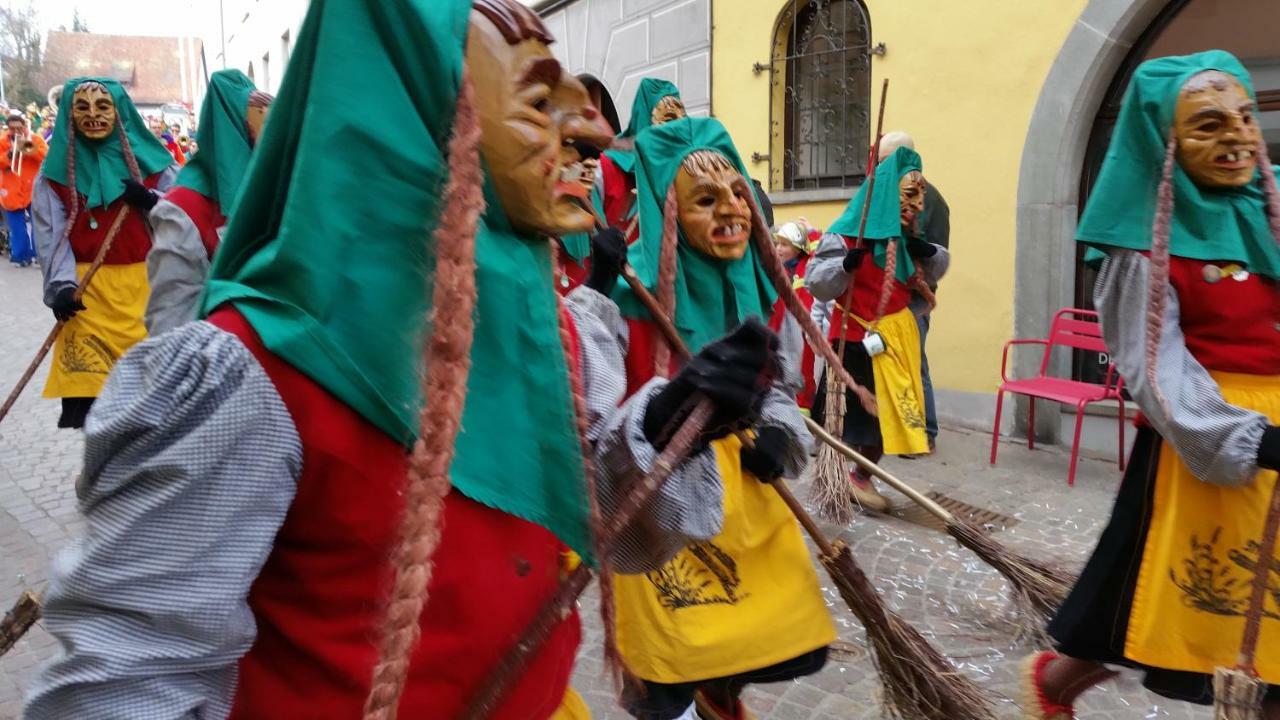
(1196, 573)
(746, 600)
(572, 708)
(111, 323)
(899, 384)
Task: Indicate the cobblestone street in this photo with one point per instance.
(950, 596)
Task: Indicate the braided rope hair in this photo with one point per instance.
(667, 265)
(448, 363)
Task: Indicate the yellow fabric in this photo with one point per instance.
(1194, 582)
(746, 600)
(899, 384)
(572, 708)
(111, 323)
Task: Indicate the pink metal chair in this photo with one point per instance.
(1072, 328)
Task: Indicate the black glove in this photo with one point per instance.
(608, 253)
(921, 249)
(1269, 449)
(139, 196)
(765, 459)
(65, 305)
(734, 372)
(853, 259)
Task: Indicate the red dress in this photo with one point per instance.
(319, 600)
(205, 213)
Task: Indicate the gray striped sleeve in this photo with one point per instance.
(689, 507)
(191, 461)
(1217, 441)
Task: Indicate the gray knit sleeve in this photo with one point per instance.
(1216, 440)
(49, 224)
(780, 411)
(825, 276)
(689, 507)
(191, 461)
(177, 266)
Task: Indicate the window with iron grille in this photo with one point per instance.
(821, 83)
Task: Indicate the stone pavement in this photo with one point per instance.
(951, 597)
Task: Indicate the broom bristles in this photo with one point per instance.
(1237, 694)
(1038, 589)
(919, 682)
(829, 493)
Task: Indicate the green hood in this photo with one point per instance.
(1207, 224)
(712, 295)
(650, 92)
(223, 143)
(100, 165)
(329, 255)
(884, 217)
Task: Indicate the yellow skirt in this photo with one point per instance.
(1196, 574)
(899, 384)
(573, 707)
(747, 599)
(111, 323)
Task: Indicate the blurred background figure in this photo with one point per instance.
(792, 239)
(22, 152)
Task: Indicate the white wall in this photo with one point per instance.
(623, 41)
(254, 30)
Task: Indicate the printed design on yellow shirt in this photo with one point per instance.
(86, 354)
(703, 574)
(1221, 586)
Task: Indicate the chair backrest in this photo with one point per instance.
(1073, 328)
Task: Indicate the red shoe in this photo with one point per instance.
(1035, 706)
(865, 494)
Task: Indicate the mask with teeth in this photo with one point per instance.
(93, 111)
(715, 214)
(531, 114)
(1216, 131)
(911, 198)
(668, 108)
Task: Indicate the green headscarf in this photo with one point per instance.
(884, 217)
(1208, 223)
(712, 295)
(650, 92)
(329, 255)
(100, 166)
(224, 148)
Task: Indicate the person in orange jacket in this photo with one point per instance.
(22, 151)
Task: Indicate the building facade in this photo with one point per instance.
(1010, 105)
(255, 37)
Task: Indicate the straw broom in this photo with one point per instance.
(558, 607)
(919, 682)
(1038, 589)
(830, 492)
(1238, 692)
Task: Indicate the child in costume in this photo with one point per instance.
(876, 308)
(1187, 296)
(745, 606)
(101, 160)
(792, 240)
(656, 102)
(186, 223)
(21, 152)
(248, 476)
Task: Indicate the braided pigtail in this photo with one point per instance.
(1270, 190)
(73, 212)
(890, 273)
(666, 290)
(1158, 282)
(126, 148)
(761, 238)
(448, 363)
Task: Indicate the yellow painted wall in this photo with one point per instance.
(964, 78)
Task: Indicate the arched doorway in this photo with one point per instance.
(1069, 130)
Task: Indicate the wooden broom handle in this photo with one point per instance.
(866, 205)
(1262, 573)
